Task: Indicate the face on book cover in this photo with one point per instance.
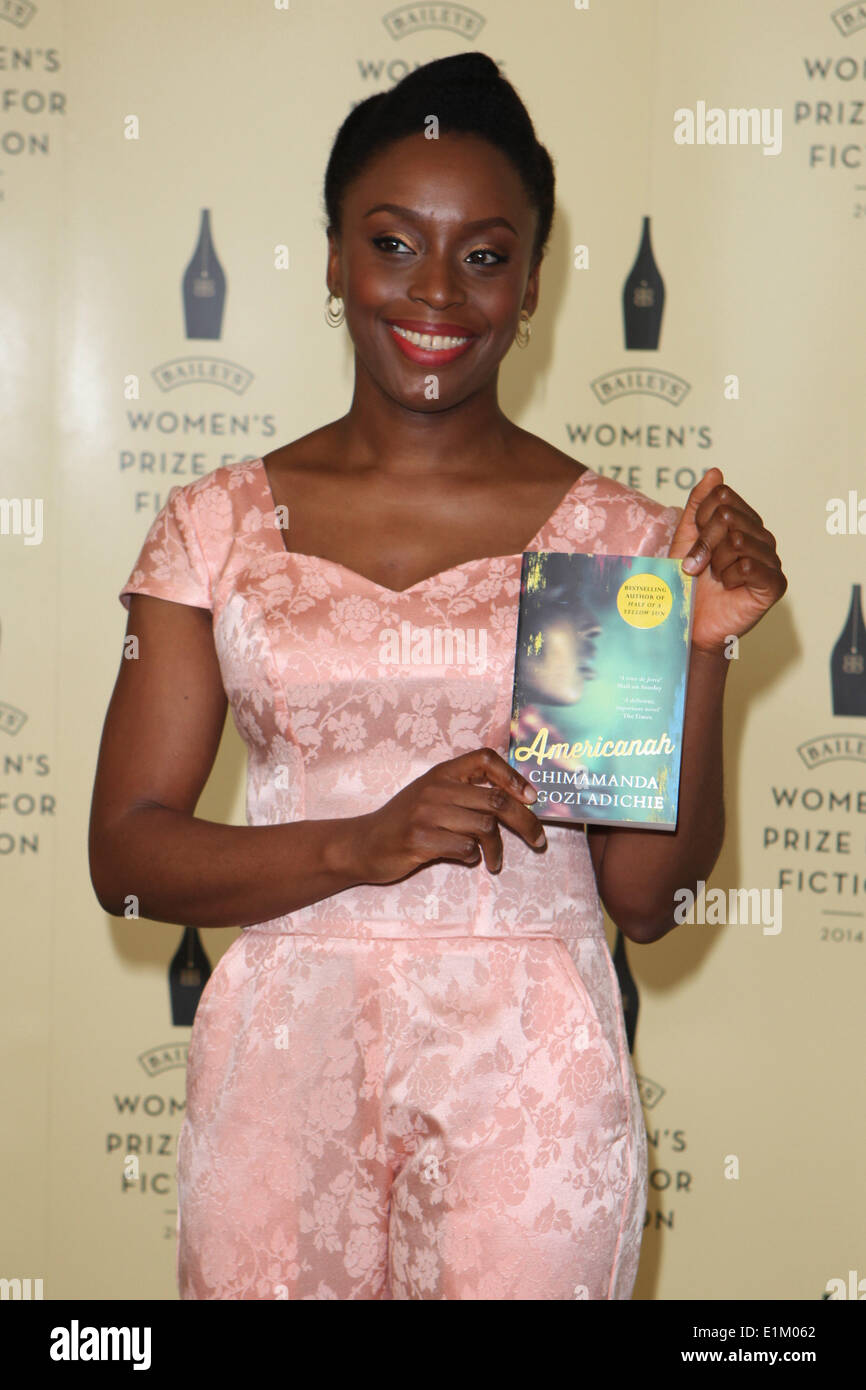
(436, 237)
(557, 674)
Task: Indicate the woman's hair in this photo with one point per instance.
(467, 93)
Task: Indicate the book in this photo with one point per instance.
(600, 677)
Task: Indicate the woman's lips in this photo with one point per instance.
(428, 356)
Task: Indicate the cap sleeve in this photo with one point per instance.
(661, 532)
(171, 563)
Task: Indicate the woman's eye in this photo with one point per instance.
(377, 241)
(486, 251)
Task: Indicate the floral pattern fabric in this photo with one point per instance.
(418, 1090)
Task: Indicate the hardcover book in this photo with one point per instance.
(600, 676)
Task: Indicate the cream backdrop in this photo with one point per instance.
(749, 1043)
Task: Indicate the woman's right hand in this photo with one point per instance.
(447, 814)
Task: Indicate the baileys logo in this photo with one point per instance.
(849, 18)
(411, 19)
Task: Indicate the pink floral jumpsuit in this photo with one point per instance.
(418, 1090)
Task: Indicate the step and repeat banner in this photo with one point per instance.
(711, 165)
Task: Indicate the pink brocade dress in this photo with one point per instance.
(418, 1090)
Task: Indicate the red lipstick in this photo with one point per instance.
(430, 356)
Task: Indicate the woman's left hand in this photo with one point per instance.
(737, 571)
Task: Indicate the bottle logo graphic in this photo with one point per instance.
(627, 988)
(188, 974)
(643, 298)
(848, 662)
(203, 290)
(204, 286)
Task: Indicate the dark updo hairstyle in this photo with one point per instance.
(466, 93)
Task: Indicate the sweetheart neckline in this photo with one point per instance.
(440, 574)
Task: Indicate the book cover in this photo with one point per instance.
(600, 675)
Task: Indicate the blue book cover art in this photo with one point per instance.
(600, 676)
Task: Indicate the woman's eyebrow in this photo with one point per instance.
(478, 226)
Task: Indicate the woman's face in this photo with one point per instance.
(557, 674)
(422, 262)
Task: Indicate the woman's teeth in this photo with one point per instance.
(430, 342)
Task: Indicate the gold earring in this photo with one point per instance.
(334, 317)
(524, 330)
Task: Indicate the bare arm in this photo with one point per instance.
(638, 871)
(159, 742)
(723, 541)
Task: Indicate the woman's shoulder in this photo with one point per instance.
(588, 484)
(620, 495)
(229, 479)
(612, 516)
(219, 503)
(221, 513)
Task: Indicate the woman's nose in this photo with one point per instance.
(435, 281)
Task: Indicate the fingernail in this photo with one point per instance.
(541, 838)
(530, 794)
(690, 564)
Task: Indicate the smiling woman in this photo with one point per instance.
(408, 1077)
(404, 234)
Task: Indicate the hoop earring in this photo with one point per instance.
(524, 330)
(334, 317)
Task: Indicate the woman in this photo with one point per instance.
(407, 1077)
